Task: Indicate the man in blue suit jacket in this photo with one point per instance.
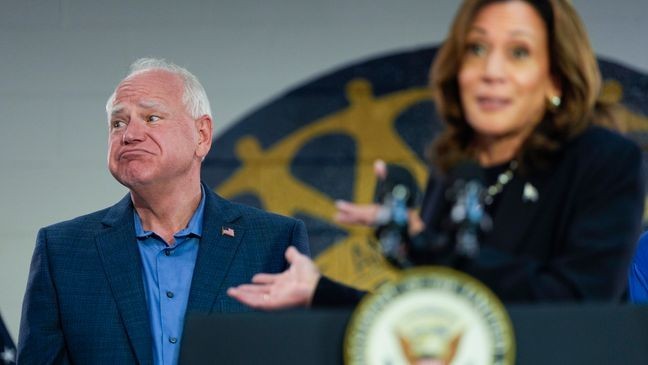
(114, 286)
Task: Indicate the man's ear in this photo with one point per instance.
(204, 126)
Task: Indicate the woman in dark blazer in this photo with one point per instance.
(517, 84)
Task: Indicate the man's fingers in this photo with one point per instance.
(258, 297)
(250, 298)
(264, 278)
(292, 254)
(250, 289)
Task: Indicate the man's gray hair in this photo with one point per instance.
(194, 95)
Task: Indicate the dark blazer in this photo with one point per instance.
(573, 243)
(576, 241)
(85, 300)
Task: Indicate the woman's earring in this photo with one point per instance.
(555, 101)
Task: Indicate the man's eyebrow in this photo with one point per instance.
(149, 104)
(116, 109)
(146, 104)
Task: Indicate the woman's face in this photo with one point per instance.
(504, 77)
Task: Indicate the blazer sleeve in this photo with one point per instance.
(591, 259)
(41, 339)
(331, 294)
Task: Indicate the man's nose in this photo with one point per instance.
(135, 132)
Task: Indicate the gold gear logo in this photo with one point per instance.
(370, 122)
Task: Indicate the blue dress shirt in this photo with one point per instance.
(638, 275)
(167, 273)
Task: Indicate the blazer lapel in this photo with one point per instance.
(516, 211)
(220, 240)
(117, 247)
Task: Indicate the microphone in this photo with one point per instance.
(392, 221)
(467, 219)
(396, 192)
(456, 215)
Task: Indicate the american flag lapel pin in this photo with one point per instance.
(227, 231)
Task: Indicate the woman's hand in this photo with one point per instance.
(363, 214)
(351, 213)
(292, 288)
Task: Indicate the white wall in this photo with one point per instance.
(59, 61)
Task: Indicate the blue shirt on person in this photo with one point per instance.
(638, 274)
(167, 273)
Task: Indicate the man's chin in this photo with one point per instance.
(133, 181)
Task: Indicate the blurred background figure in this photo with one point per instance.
(517, 84)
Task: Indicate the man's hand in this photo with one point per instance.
(292, 288)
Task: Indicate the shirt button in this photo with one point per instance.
(169, 294)
(167, 252)
(173, 340)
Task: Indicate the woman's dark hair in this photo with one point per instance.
(571, 63)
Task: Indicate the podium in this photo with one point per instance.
(544, 334)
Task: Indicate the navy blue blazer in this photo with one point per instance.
(85, 300)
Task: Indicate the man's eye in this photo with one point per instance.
(152, 118)
(476, 49)
(115, 124)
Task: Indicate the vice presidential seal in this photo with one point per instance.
(431, 316)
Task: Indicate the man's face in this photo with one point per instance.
(152, 138)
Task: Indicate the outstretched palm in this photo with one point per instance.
(291, 288)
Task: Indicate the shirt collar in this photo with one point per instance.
(194, 227)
